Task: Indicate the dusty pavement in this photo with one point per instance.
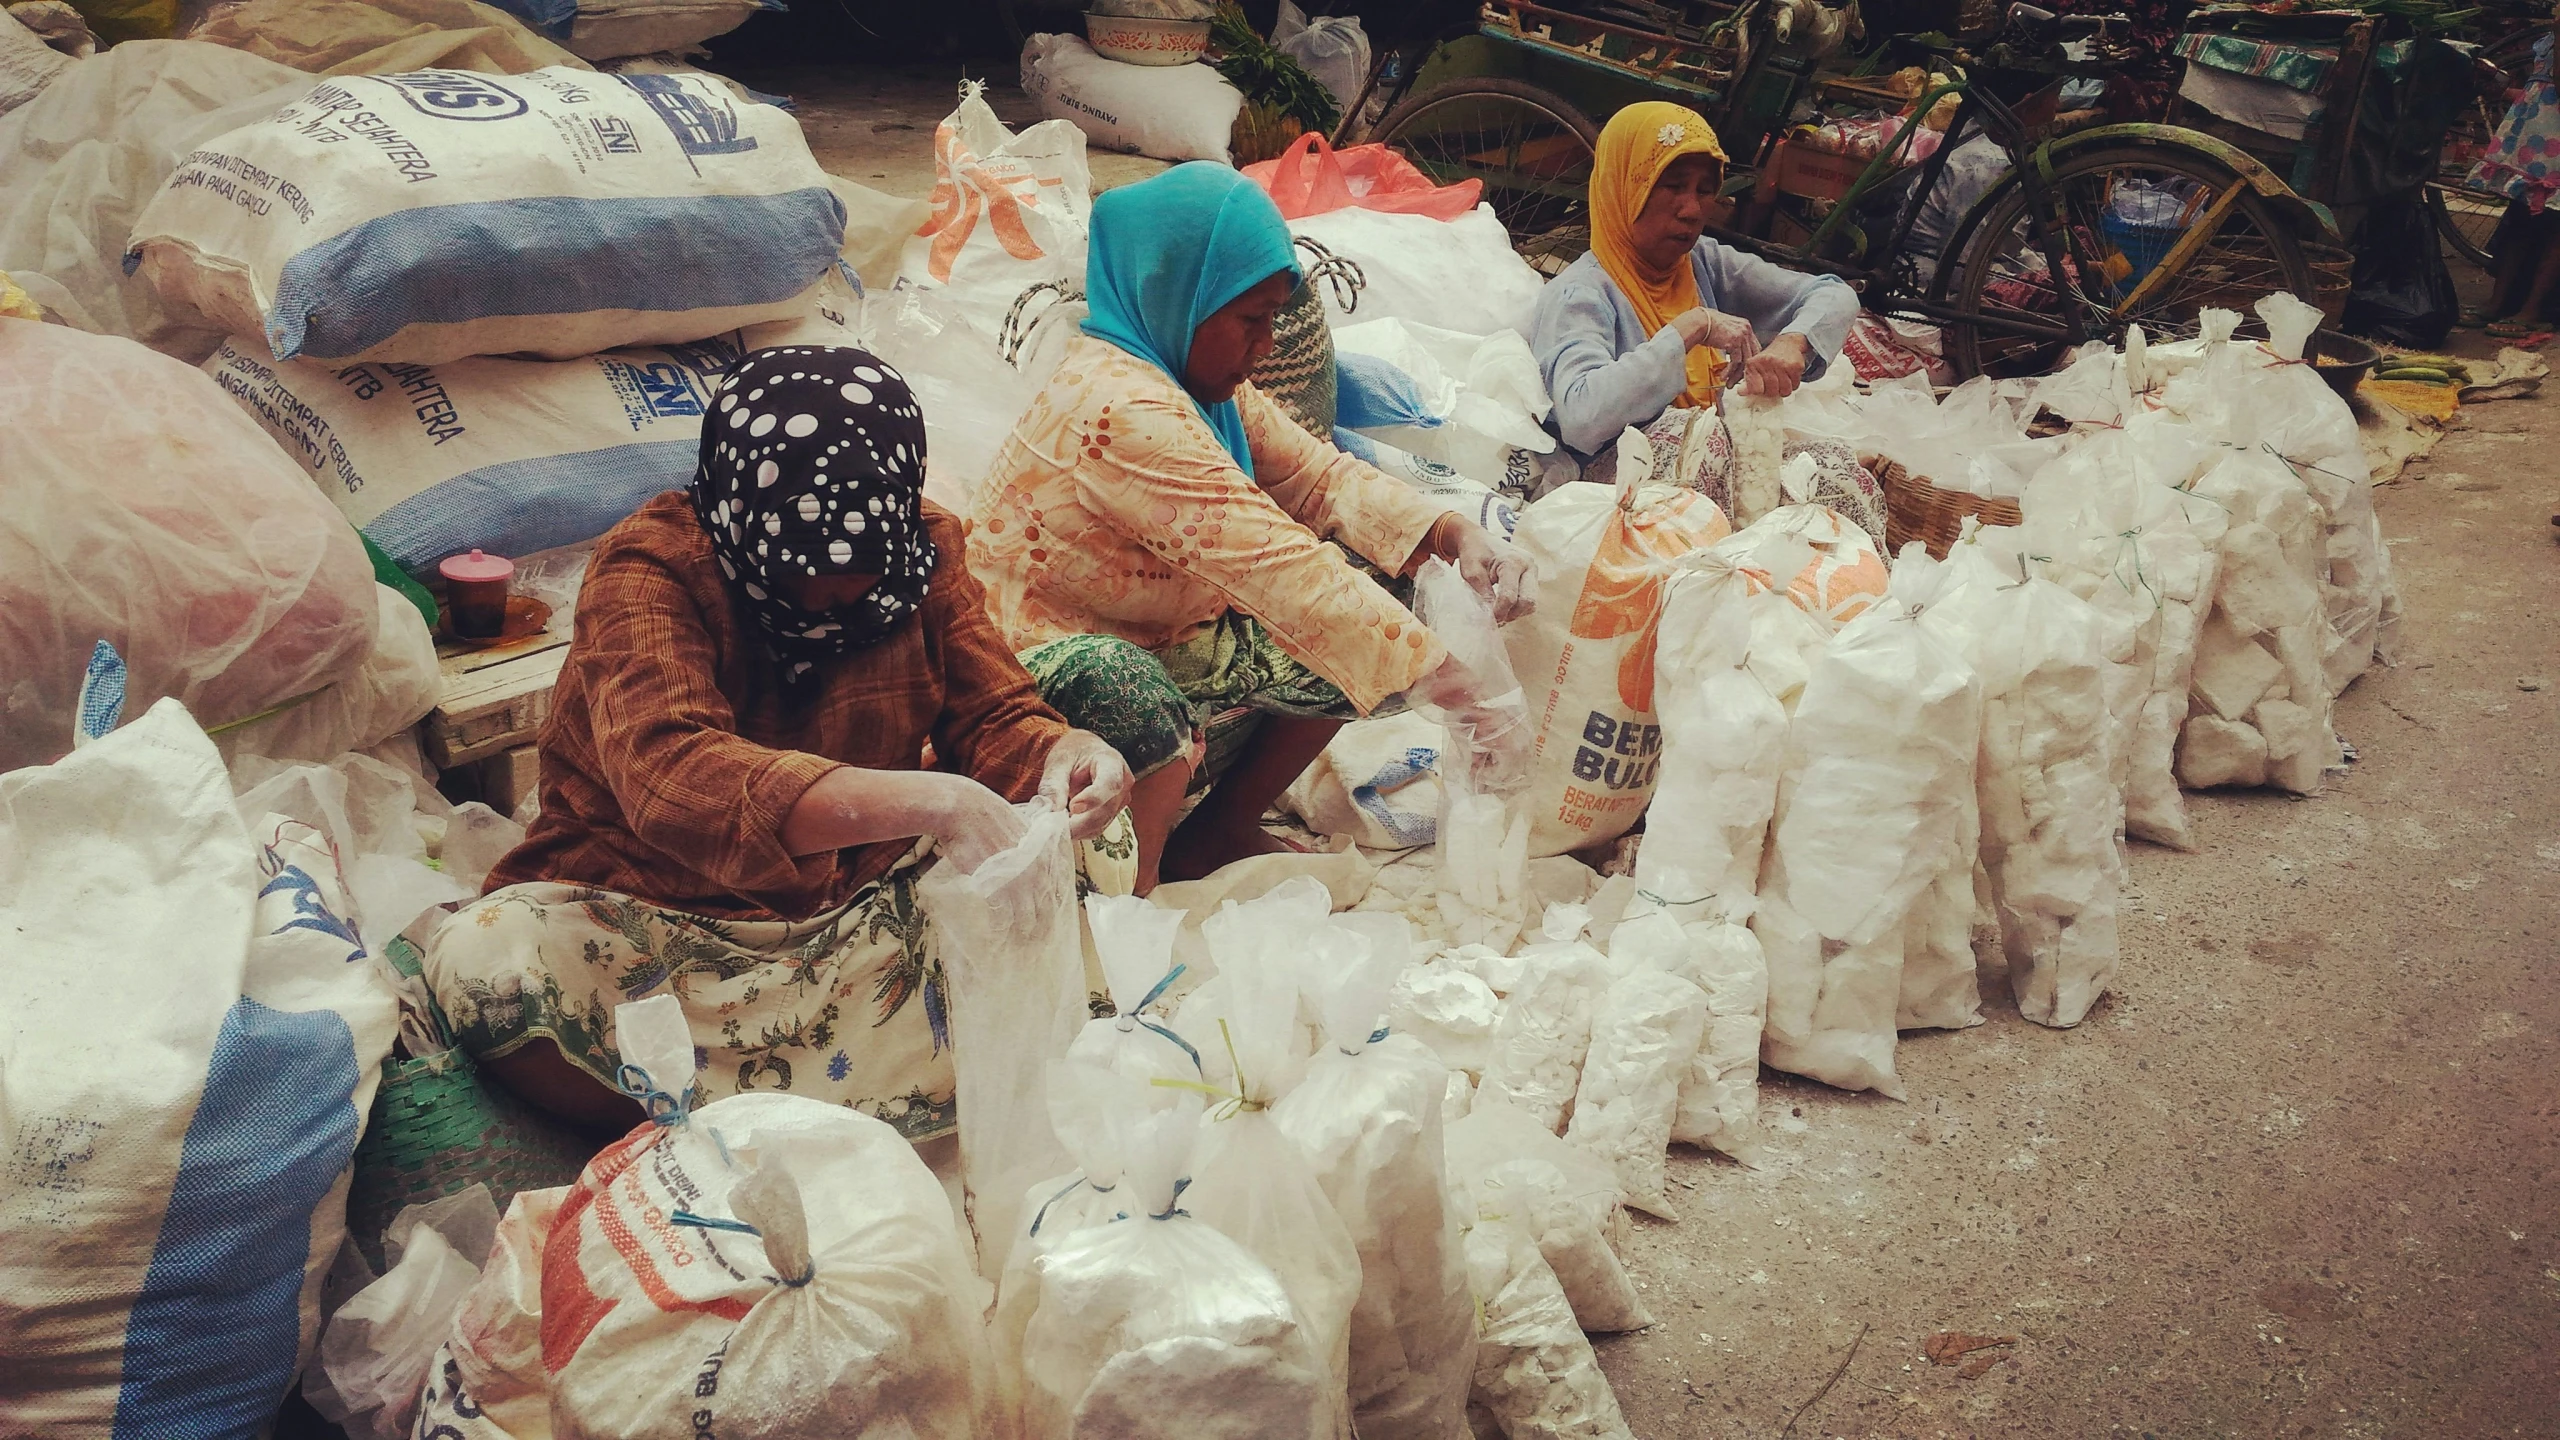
(2296, 1176)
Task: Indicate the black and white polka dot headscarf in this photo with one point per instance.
(813, 464)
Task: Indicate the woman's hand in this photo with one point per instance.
(1491, 730)
(1702, 326)
(1086, 778)
(1775, 373)
(1495, 569)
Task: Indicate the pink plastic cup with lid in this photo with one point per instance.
(476, 594)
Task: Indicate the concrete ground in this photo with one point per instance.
(2294, 1177)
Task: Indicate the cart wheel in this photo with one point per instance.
(2003, 274)
(1530, 146)
(2467, 217)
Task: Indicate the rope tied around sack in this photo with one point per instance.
(1072, 1186)
(740, 1227)
(662, 1108)
(1136, 1018)
(1342, 272)
(1231, 1103)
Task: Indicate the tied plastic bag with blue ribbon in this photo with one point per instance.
(1154, 1325)
(1367, 1117)
(708, 1293)
(1251, 1180)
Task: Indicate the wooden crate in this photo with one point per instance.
(494, 700)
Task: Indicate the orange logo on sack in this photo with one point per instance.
(963, 186)
(1622, 587)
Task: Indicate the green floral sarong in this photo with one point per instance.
(1202, 698)
(849, 1007)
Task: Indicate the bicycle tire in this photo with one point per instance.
(1556, 195)
(1994, 225)
(2468, 219)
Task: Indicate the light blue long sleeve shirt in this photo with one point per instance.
(1605, 373)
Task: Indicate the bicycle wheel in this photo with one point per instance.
(1531, 147)
(2127, 211)
(2467, 217)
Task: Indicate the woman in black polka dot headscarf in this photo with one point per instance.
(813, 467)
(782, 678)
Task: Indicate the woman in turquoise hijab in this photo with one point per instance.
(1171, 553)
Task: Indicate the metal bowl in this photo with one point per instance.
(1140, 40)
(2342, 359)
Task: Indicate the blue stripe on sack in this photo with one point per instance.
(1404, 828)
(446, 264)
(526, 505)
(211, 1344)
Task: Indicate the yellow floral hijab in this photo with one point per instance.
(1636, 146)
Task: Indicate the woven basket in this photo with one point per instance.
(1299, 371)
(2333, 271)
(437, 1126)
(1914, 509)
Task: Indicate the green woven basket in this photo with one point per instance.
(437, 1126)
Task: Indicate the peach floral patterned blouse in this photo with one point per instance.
(1112, 510)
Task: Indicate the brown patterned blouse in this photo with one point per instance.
(673, 753)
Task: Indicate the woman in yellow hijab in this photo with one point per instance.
(1658, 317)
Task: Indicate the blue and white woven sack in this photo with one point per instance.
(424, 217)
(504, 455)
(190, 1037)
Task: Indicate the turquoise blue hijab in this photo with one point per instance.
(1166, 254)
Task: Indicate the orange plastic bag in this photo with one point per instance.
(1311, 178)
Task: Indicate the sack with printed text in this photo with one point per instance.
(1170, 112)
(505, 455)
(1586, 654)
(425, 217)
(766, 1265)
(1009, 211)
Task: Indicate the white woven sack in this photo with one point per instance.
(506, 455)
(176, 1185)
(1009, 211)
(1170, 112)
(429, 216)
(1413, 264)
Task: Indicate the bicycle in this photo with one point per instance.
(2087, 234)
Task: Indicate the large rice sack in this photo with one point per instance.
(80, 161)
(1009, 212)
(688, 1287)
(1586, 655)
(148, 512)
(1457, 274)
(1878, 788)
(424, 217)
(179, 1164)
(504, 455)
(1171, 112)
